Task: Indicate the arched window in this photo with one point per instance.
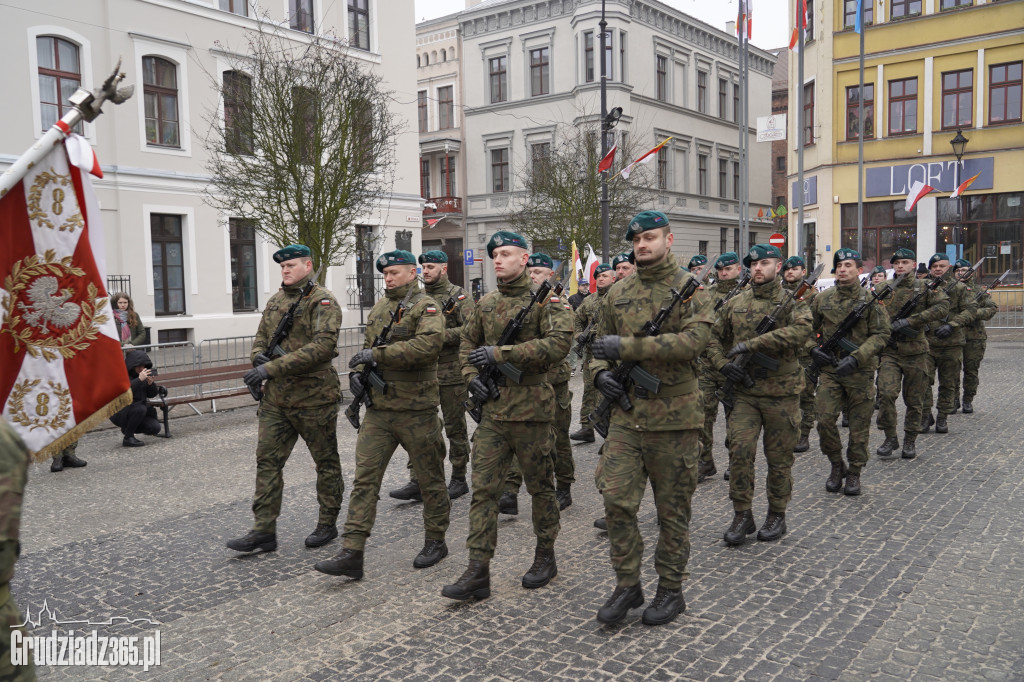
(160, 88)
(60, 74)
(451, 54)
(426, 59)
(418, 64)
(433, 56)
(237, 113)
(444, 56)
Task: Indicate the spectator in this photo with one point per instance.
(139, 417)
(922, 271)
(129, 327)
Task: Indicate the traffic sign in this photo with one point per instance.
(469, 257)
(777, 240)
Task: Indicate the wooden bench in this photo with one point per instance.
(194, 379)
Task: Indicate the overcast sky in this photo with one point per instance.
(771, 25)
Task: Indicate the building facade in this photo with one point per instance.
(193, 273)
(780, 157)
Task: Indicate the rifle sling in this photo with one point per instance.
(666, 391)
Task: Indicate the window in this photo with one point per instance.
(662, 79)
(780, 163)
(540, 155)
(160, 88)
(425, 178)
(850, 13)
(359, 24)
(735, 102)
(304, 106)
(779, 202)
(540, 73)
(810, 22)
(172, 336)
(808, 113)
(702, 247)
(237, 113)
(59, 76)
(887, 227)
(853, 111)
(421, 110)
(588, 57)
(736, 239)
(168, 264)
(300, 15)
(903, 106)
(702, 174)
(723, 99)
(362, 132)
(445, 108)
(957, 98)
(723, 239)
(235, 6)
(723, 178)
(702, 92)
(663, 168)
(243, 265)
(1004, 93)
(953, 4)
(448, 176)
(752, 239)
(499, 80)
(905, 8)
(622, 56)
(499, 170)
(609, 56)
(735, 179)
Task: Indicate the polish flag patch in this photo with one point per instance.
(325, 301)
(431, 309)
(462, 297)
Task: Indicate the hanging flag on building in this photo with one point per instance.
(858, 22)
(800, 25)
(963, 187)
(918, 190)
(609, 158)
(645, 158)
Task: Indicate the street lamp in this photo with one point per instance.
(959, 144)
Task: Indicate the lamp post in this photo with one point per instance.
(959, 144)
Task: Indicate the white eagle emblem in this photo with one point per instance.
(47, 306)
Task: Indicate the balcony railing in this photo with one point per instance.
(444, 205)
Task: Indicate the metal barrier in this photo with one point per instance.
(171, 357)
(1011, 309)
(230, 350)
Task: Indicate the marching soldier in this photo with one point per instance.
(300, 398)
(847, 377)
(14, 461)
(772, 403)
(905, 363)
(585, 316)
(403, 413)
(975, 334)
(659, 438)
(697, 264)
(449, 376)
(541, 270)
(793, 272)
(878, 276)
(623, 265)
(946, 343)
(516, 418)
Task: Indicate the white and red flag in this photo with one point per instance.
(918, 190)
(801, 25)
(963, 186)
(61, 366)
(608, 159)
(588, 269)
(644, 158)
(745, 18)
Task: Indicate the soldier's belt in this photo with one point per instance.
(666, 391)
(448, 357)
(527, 380)
(422, 375)
(784, 368)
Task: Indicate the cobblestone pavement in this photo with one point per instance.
(922, 577)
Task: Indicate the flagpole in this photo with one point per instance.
(860, 136)
(605, 224)
(86, 106)
(745, 96)
(800, 137)
(739, 121)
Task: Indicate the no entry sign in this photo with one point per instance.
(777, 240)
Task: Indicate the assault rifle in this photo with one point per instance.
(508, 336)
(838, 339)
(369, 375)
(766, 325)
(586, 337)
(744, 279)
(284, 327)
(628, 372)
(995, 285)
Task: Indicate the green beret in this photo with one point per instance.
(434, 256)
(646, 220)
(877, 269)
(540, 260)
(761, 252)
(844, 254)
(697, 261)
(603, 267)
(961, 263)
(396, 257)
(726, 259)
(505, 238)
(292, 251)
(793, 262)
(903, 254)
(936, 258)
(621, 258)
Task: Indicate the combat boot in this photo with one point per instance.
(968, 407)
(564, 497)
(433, 551)
(72, 461)
(321, 535)
(618, 605)
(347, 562)
(706, 470)
(409, 491)
(926, 422)
(474, 582)
(887, 450)
(666, 605)
(804, 444)
(956, 405)
(909, 445)
(742, 525)
(835, 478)
(131, 442)
(584, 435)
(774, 527)
(852, 484)
(846, 420)
(253, 540)
(57, 464)
(543, 569)
(940, 424)
(726, 474)
(508, 504)
(601, 523)
(457, 488)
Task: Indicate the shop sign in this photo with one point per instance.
(889, 181)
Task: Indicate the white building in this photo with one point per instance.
(193, 275)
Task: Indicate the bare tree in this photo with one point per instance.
(303, 143)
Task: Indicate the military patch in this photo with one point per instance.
(555, 299)
(461, 297)
(431, 309)
(567, 306)
(325, 301)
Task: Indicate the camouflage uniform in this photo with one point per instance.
(710, 379)
(660, 437)
(904, 363)
(976, 339)
(807, 406)
(405, 413)
(853, 392)
(585, 314)
(300, 399)
(518, 423)
(772, 403)
(14, 460)
(947, 354)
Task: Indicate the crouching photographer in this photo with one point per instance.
(139, 417)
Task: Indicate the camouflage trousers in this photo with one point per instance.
(707, 432)
(69, 451)
(808, 412)
(380, 434)
(974, 353)
(853, 395)
(561, 454)
(9, 617)
(278, 430)
(495, 445)
(628, 459)
(909, 374)
(453, 410)
(947, 361)
(591, 396)
(779, 417)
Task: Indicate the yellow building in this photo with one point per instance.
(932, 68)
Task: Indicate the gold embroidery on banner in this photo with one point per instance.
(56, 198)
(43, 405)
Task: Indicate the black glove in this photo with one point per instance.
(260, 359)
(363, 357)
(734, 373)
(898, 326)
(482, 357)
(822, 358)
(944, 332)
(606, 383)
(738, 349)
(607, 348)
(847, 366)
(356, 385)
(482, 390)
(256, 376)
